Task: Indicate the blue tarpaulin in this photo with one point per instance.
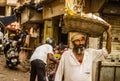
(4, 21)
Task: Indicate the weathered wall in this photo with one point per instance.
(54, 9)
(48, 29)
(115, 22)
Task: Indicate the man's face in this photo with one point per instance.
(79, 44)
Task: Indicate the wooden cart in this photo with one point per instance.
(108, 71)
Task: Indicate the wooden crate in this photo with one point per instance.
(108, 71)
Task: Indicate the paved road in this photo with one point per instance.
(12, 75)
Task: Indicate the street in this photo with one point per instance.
(6, 74)
(71, 40)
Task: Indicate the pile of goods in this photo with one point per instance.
(76, 20)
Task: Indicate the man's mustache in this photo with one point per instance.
(81, 45)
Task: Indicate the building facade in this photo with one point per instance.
(51, 17)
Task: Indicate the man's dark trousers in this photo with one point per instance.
(38, 68)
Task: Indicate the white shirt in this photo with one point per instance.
(41, 52)
(1, 35)
(73, 70)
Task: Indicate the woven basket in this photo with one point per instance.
(77, 23)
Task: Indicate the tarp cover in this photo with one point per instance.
(4, 21)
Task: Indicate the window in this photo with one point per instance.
(2, 10)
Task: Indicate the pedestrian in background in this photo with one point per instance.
(1, 36)
(1, 41)
(76, 64)
(39, 60)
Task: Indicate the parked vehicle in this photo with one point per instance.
(12, 58)
(11, 54)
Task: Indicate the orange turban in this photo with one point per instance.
(77, 36)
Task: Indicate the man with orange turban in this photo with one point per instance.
(76, 63)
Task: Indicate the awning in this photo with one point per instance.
(4, 21)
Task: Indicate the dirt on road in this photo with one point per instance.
(6, 74)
